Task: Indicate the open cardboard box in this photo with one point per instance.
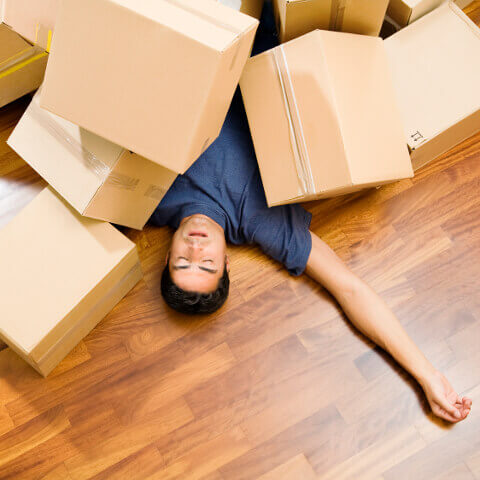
(323, 116)
(435, 64)
(98, 178)
(63, 273)
(26, 28)
(155, 77)
(297, 17)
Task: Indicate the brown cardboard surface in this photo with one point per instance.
(142, 74)
(98, 178)
(436, 79)
(31, 18)
(60, 266)
(404, 12)
(22, 65)
(297, 17)
(352, 130)
(249, 7)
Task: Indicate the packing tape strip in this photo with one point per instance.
(215, 21)
(82, 154)
(297, 136)
(18, 57)
(18, 64)
(336, 14)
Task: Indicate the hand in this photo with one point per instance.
(443, 400)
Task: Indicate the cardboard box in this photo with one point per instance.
(404, 12)
(437, 77)
(158, 81)
(297, 17)
(63, 273)
(323, 117)
(249, 7)
(22, 65)
(32, 19)
(98, 178)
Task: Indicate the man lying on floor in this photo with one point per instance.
(221, 198)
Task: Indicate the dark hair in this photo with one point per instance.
(194, 302)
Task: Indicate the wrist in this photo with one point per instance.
(425, 372)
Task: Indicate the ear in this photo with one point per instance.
(227, 263)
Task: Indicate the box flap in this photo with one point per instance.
(28, 17)
(435, 75)
(73, 160)
(56, 257)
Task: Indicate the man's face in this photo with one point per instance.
(198, 254)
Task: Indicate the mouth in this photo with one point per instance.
(197, 233)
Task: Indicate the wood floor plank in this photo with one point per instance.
(28, 436)
(296, 468)
(60, 472)
(458, 472)
(376, 459)
(103, 454)
(206, 458)
(44, 394)
(304, 437)
(138, 466)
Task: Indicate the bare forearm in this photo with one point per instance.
(366, 309)
(372, 316)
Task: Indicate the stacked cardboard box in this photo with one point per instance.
(98, 178)
(297, 17)
(62, 275)
(22, 63)
(169, 72)
(436, 74)
(316, 132)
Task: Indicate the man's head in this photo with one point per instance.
(195, 278)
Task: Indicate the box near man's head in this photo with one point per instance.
(323, 116)
(156, 77)
(60, 274)
(98, 178)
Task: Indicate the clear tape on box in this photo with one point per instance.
(297, 136)
(89, 159)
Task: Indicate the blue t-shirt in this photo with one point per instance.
(225, 185)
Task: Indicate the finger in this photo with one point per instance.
(467, 402)
(440, 412)
(449, 408)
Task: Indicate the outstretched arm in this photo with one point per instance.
(371, 315)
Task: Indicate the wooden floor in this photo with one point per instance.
(276, 385)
